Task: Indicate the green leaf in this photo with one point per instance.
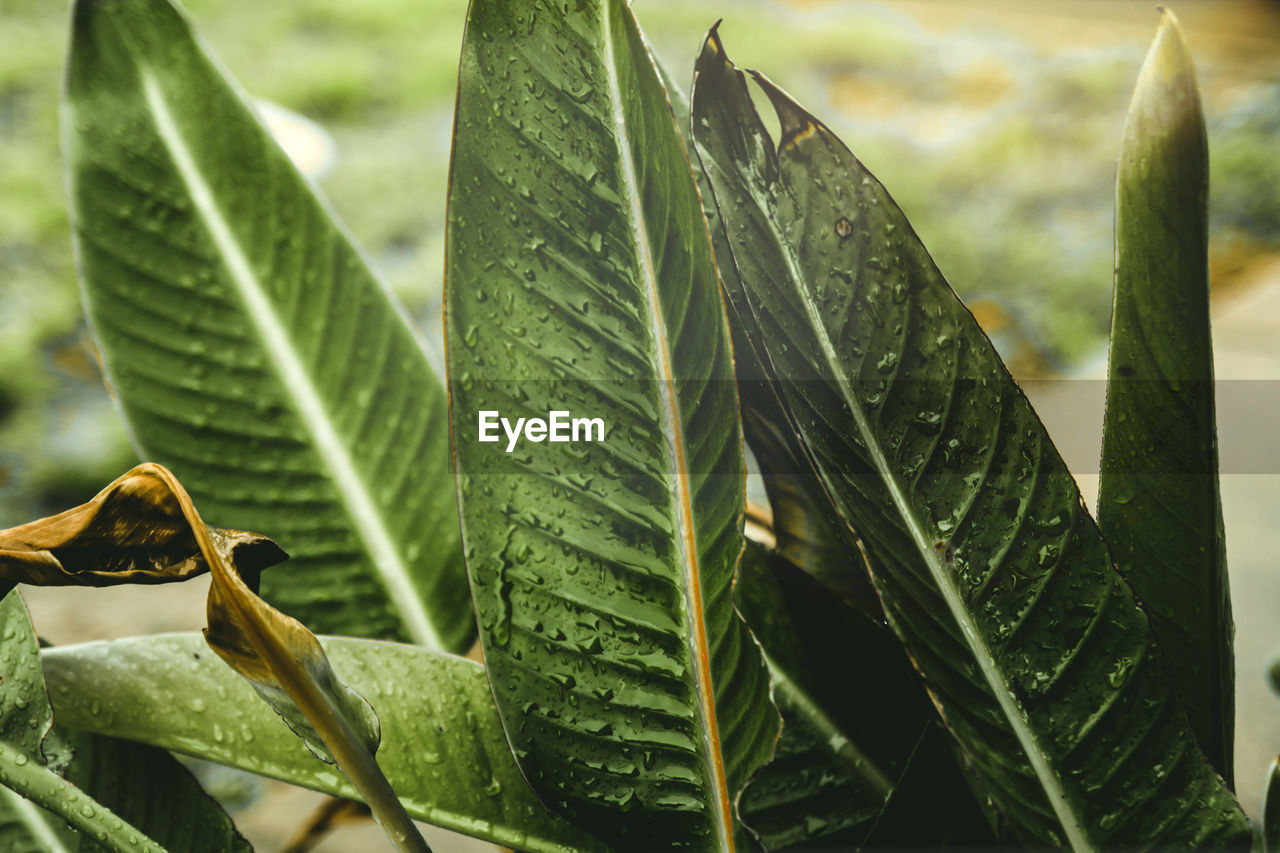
(1271, 810)
(803, 525)
(1274, 674)
(31, 762)
(443, 749)
(580, 279)
(853, 713)
(146, 786)
(987, 564)
(1158, 501)
(251, 349)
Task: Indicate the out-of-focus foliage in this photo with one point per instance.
(925, 107)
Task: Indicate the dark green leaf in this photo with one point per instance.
(1158, 500)
(251, 349)
(803, 525)
(443, 749)
(853, 714)
(987, 564)
(580, 279)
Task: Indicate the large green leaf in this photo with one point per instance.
(250, 348)
(580, 279)
(442, 745)
(803, 525)
(142, 784)
(1158, 500)
(987, 564)
(854, 719)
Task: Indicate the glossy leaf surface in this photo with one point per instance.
(987, 564)
(580, 279)
(33, 762)
(249, 345)
(802, 523)
(1158, 500)
(146, 786)
(442, 745)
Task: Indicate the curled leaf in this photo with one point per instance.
(131, 532)
(279, 656)
(145, 528)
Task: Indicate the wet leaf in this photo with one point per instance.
(803, 525)
(580, 279)
(143, 785)
(854, 719)
(1158, 501)
(985, 561)
(247, 342)
(32, 761)
(443, 748)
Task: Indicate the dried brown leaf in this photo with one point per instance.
(133, 531)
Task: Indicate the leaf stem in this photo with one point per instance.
(37, 783)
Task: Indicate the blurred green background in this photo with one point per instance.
(994, 123)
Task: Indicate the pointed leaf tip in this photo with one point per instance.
(796, 122)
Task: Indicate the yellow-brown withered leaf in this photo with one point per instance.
(134, 531)
(144, 528)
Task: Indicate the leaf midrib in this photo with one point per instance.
(672, 429)
(1049, 781)
(297, 385)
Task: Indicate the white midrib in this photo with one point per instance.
(672, 428)
(297, 384)
(1072, 825)
(35, 820)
